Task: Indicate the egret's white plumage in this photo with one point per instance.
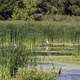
(47, 41)
(15, 45)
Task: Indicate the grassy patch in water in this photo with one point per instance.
(58, 59)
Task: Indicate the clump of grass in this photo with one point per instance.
(4, 73)
(33, 74)
(37, 32)
(27, 74)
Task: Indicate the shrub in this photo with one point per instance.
(22, 13)
(76, 10)
(6, 8)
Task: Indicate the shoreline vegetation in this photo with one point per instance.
(38, 31)
(19, 41)
(58, 59)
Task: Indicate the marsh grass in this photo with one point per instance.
(18, 38)
(33, 74)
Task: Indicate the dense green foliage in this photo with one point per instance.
(34, 9)
(6, 8)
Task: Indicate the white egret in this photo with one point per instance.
(47, 42)
(15, 45)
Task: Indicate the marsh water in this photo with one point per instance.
(69, 71)
(46, 65)
(70, 75)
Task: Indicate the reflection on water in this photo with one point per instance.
(46, 65)
(70, 75)
(65, 75)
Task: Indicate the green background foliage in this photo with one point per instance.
(34, 9)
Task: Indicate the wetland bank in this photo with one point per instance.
(23, 43)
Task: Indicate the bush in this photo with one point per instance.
(6, 8)
(76, 10)
(22, 13)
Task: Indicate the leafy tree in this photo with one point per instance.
(6, 8)
(22, 11)
(37, 9)
(67, 7)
